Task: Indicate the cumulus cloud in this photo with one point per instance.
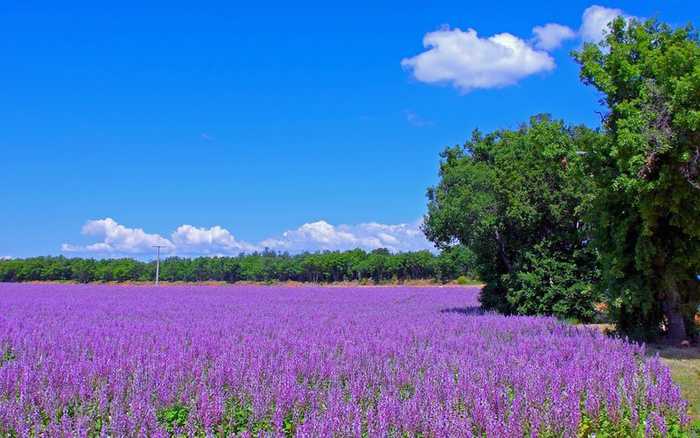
(189, 240)
(321, 235)
(468, 61)
(551, 35)
(6, 257)
(215, 240)
(595, 20)
(118, 239)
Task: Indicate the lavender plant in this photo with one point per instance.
(250, 361)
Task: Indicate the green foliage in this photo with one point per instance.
(645, 206)
(456, 261)
(7, 355)
(512, 198)
(604, 427)
(571, 293)
(377, 266)
(463, 280)
(406, 391)
(173, 417)
(236, 417)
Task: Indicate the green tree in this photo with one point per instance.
(512, 198)
(8, 270)
(378, 266)
(454, 262)
(83, 270)
(646, 208)
(355, 263)
(231, 270)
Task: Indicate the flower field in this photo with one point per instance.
(310, 361)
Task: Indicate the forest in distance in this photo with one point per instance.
(375, 266)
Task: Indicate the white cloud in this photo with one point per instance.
(416, 120)
(214, 240)
(321, 235)
(315, 235)
(469, 62)
(6, 257)
(551, 35)
(191, 241)
(595, 20)
(118, 239)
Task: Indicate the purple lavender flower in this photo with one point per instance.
(131, 361)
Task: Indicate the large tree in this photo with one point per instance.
(646, 209)
(513, 199)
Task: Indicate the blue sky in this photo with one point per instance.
(221, 128)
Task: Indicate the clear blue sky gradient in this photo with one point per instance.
(256, 118)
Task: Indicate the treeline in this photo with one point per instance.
(331, 266)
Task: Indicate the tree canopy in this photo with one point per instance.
(646, 204)
(513, 198)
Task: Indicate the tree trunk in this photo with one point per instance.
(502, 252)
(672, 310)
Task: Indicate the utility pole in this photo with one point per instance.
(158, 247)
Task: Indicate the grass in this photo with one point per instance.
(463, 280)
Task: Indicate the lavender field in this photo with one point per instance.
(402, 361)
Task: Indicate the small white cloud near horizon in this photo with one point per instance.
(469, 62)
(188, 240)
(215, 240)
(321, 235)
(6, 257)
(118, 239)
(551, 36)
